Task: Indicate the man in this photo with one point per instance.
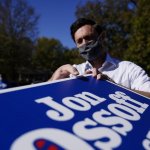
(89, 38)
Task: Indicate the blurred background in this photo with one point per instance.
(35, 35)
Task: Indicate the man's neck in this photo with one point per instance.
(97, 63)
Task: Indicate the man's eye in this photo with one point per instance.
(88, 38)
(79, 42)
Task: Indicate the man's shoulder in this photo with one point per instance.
(127, 63)
(129, 66)
(120, 63)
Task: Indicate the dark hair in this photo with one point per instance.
(81, 22)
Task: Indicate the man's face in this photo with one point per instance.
(84, 35)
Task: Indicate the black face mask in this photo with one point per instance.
(91, 50)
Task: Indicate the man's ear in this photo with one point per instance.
(103, 35)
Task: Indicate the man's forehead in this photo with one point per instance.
(86, 29)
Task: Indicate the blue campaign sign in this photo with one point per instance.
(74, 114)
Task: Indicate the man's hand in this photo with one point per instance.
(98, 75)
(64, 72)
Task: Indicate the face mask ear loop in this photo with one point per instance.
(101, 38)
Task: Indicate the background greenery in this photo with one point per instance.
(26, 59)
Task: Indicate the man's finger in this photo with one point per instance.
(94, 72)
(99, 76)
(72, 70)
(88, 72)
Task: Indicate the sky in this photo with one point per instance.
(56, 16)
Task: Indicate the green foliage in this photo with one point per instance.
(14, 55)
(139, 44)
(48, 54)
(72, 57)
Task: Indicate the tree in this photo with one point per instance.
(17, 19)
(17, 32)
(72, 56)
(139, 45)
(48, 54)
(15, 55)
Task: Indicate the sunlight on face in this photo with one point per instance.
(84, 35)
